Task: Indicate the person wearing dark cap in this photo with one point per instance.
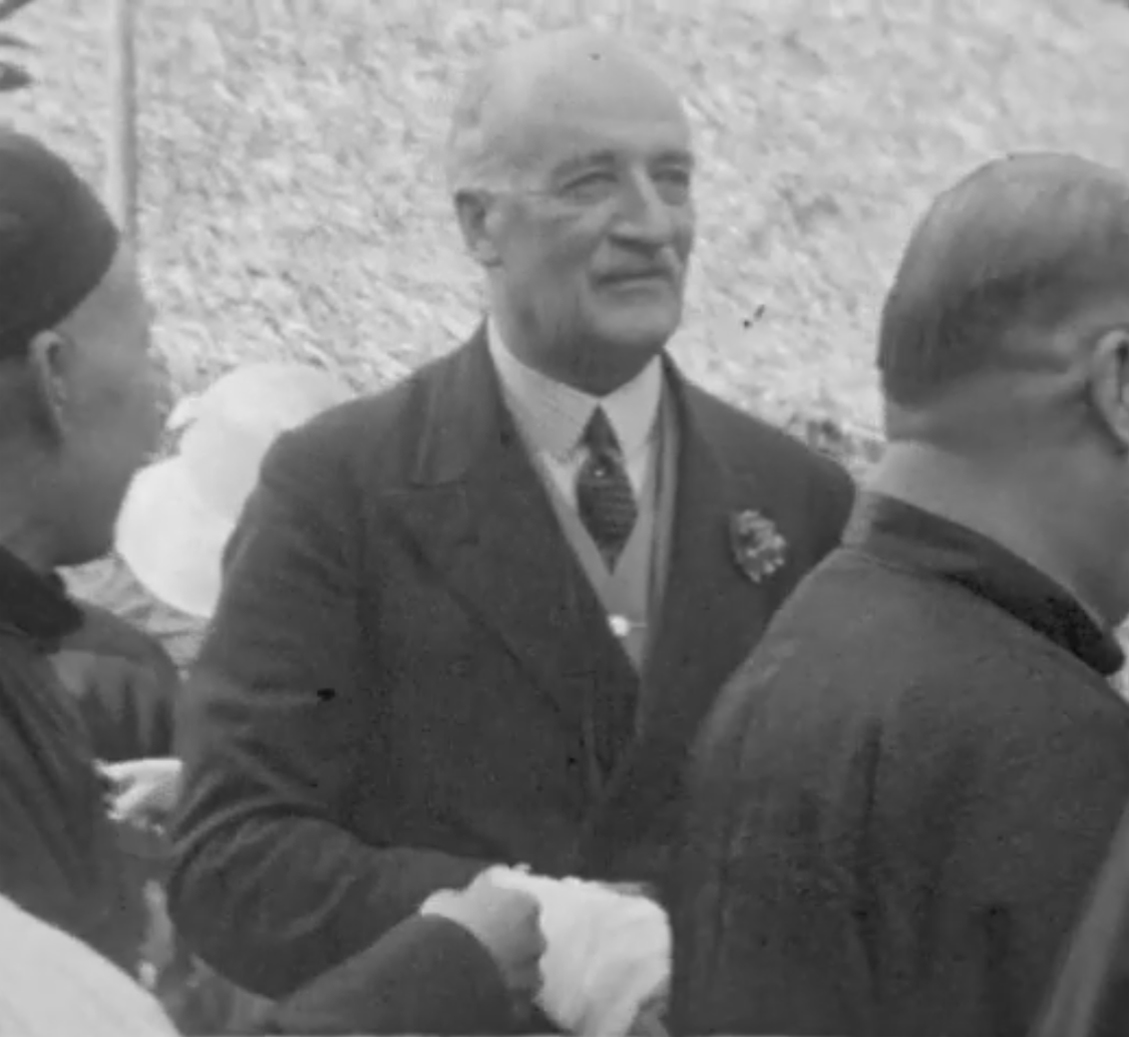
(79, 415)
(80, 398)
(900, 801)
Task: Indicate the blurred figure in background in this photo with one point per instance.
(164, 574)
(169, 544)
(80, 402)
(181, 511)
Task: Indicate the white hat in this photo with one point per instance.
(180, 512)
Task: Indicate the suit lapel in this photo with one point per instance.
(711, 617)
(712, 612)
(481, 516)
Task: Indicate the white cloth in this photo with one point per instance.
(51, 985)
(607, 953)
(179, 512)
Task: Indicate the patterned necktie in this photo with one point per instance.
(604, 496)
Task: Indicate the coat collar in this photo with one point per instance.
(35, 605)
(899, 532)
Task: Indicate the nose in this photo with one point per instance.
(646, 219)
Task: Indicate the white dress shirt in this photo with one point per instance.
(551, 418)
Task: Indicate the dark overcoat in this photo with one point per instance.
(894, 815)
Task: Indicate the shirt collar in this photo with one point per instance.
(552, 415)
(909, 536)
(35, 605)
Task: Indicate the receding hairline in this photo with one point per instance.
(1022, 207)
(497, 94)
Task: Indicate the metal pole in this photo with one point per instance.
(121, 173)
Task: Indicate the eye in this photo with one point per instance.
(673, 184)
(591, 186)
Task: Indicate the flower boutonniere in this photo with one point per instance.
(758, 546)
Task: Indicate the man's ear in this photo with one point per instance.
(478, 216)
(1109, 384)
(51, 356)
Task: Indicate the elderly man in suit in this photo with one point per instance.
(900, 803)
(472, 620)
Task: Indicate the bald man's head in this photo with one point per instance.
(999, 262)
(511, 103)
(571, 167)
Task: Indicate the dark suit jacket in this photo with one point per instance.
(396, 688)
(895, 814)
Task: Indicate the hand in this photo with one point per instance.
(507, 922)
(143, 791)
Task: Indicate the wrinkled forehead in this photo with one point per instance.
(587, 108)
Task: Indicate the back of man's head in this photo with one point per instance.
(1001, 263)
(1004, 355)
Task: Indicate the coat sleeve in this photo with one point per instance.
(269, 885)
(427, 975)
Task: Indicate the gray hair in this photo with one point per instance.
(479, 150)
(482, 151)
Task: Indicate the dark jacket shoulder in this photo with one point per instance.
(379, 430)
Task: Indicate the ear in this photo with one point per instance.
(51, 357)
(1109, 384)
(479, 220)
